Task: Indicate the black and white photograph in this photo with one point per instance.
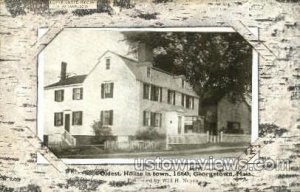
(158, 95)
(125, 94)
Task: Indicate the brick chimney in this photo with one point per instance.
(145, 54)
(63, 71)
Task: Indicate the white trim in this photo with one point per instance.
(254, 104)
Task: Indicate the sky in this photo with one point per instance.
(80, 48)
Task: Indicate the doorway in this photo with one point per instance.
(67, 122)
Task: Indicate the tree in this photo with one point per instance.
(215, 64)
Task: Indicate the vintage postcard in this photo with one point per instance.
(168, 95)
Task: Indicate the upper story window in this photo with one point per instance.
(58, 119)
(107, 90)
(107, 63)
(171, 97)
(107, 117)
(182, 83)
(156, 93)
(189, 102)
(59, 95)
(152, 92)
(77, 118)
(146, 91)
(77, 93)
(148, 71)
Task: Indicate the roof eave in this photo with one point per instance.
(62, 86)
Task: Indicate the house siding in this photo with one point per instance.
(127, 102)
(125, 95)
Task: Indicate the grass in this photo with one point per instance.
(177, 150)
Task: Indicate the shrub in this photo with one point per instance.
(149, 134)
(102, 133)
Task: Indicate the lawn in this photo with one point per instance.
(175, 151)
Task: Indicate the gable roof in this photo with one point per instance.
(69, 81)
(166, 79)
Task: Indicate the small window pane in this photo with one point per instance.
(108, 63)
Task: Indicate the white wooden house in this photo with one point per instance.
(125, 94)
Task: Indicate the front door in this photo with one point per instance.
(67, 122)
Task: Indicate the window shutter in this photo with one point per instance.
(54, 119)
(182, 99)
(160, 93)
(81, 93)
(174, 98)
(102, 90)
(73, 94)
(62, 97)
(101, 118)
(80, 115)
(112, 89)
(160, 117)
(192, 102)
(152, 122)
(169, 96)
(73, 115)
(62, 118)
(146, 92)
(111, 117)
(144, 118)
(55, 95)
(152, 95)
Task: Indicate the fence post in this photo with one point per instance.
(167, 142)
(207, 135)
(221, 136)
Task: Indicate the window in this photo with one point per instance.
(189, 102)
(146, 119)
(77, 118)
(59, 95)
(171, 97)
(107, 117)
(58, 119)
(182, 99)
(148, 71)
(156, 93)
(182, 83)
(77, 93)
(155, 120)
(107, 63)
(146, 91)
(234, 127)
(107, 90)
